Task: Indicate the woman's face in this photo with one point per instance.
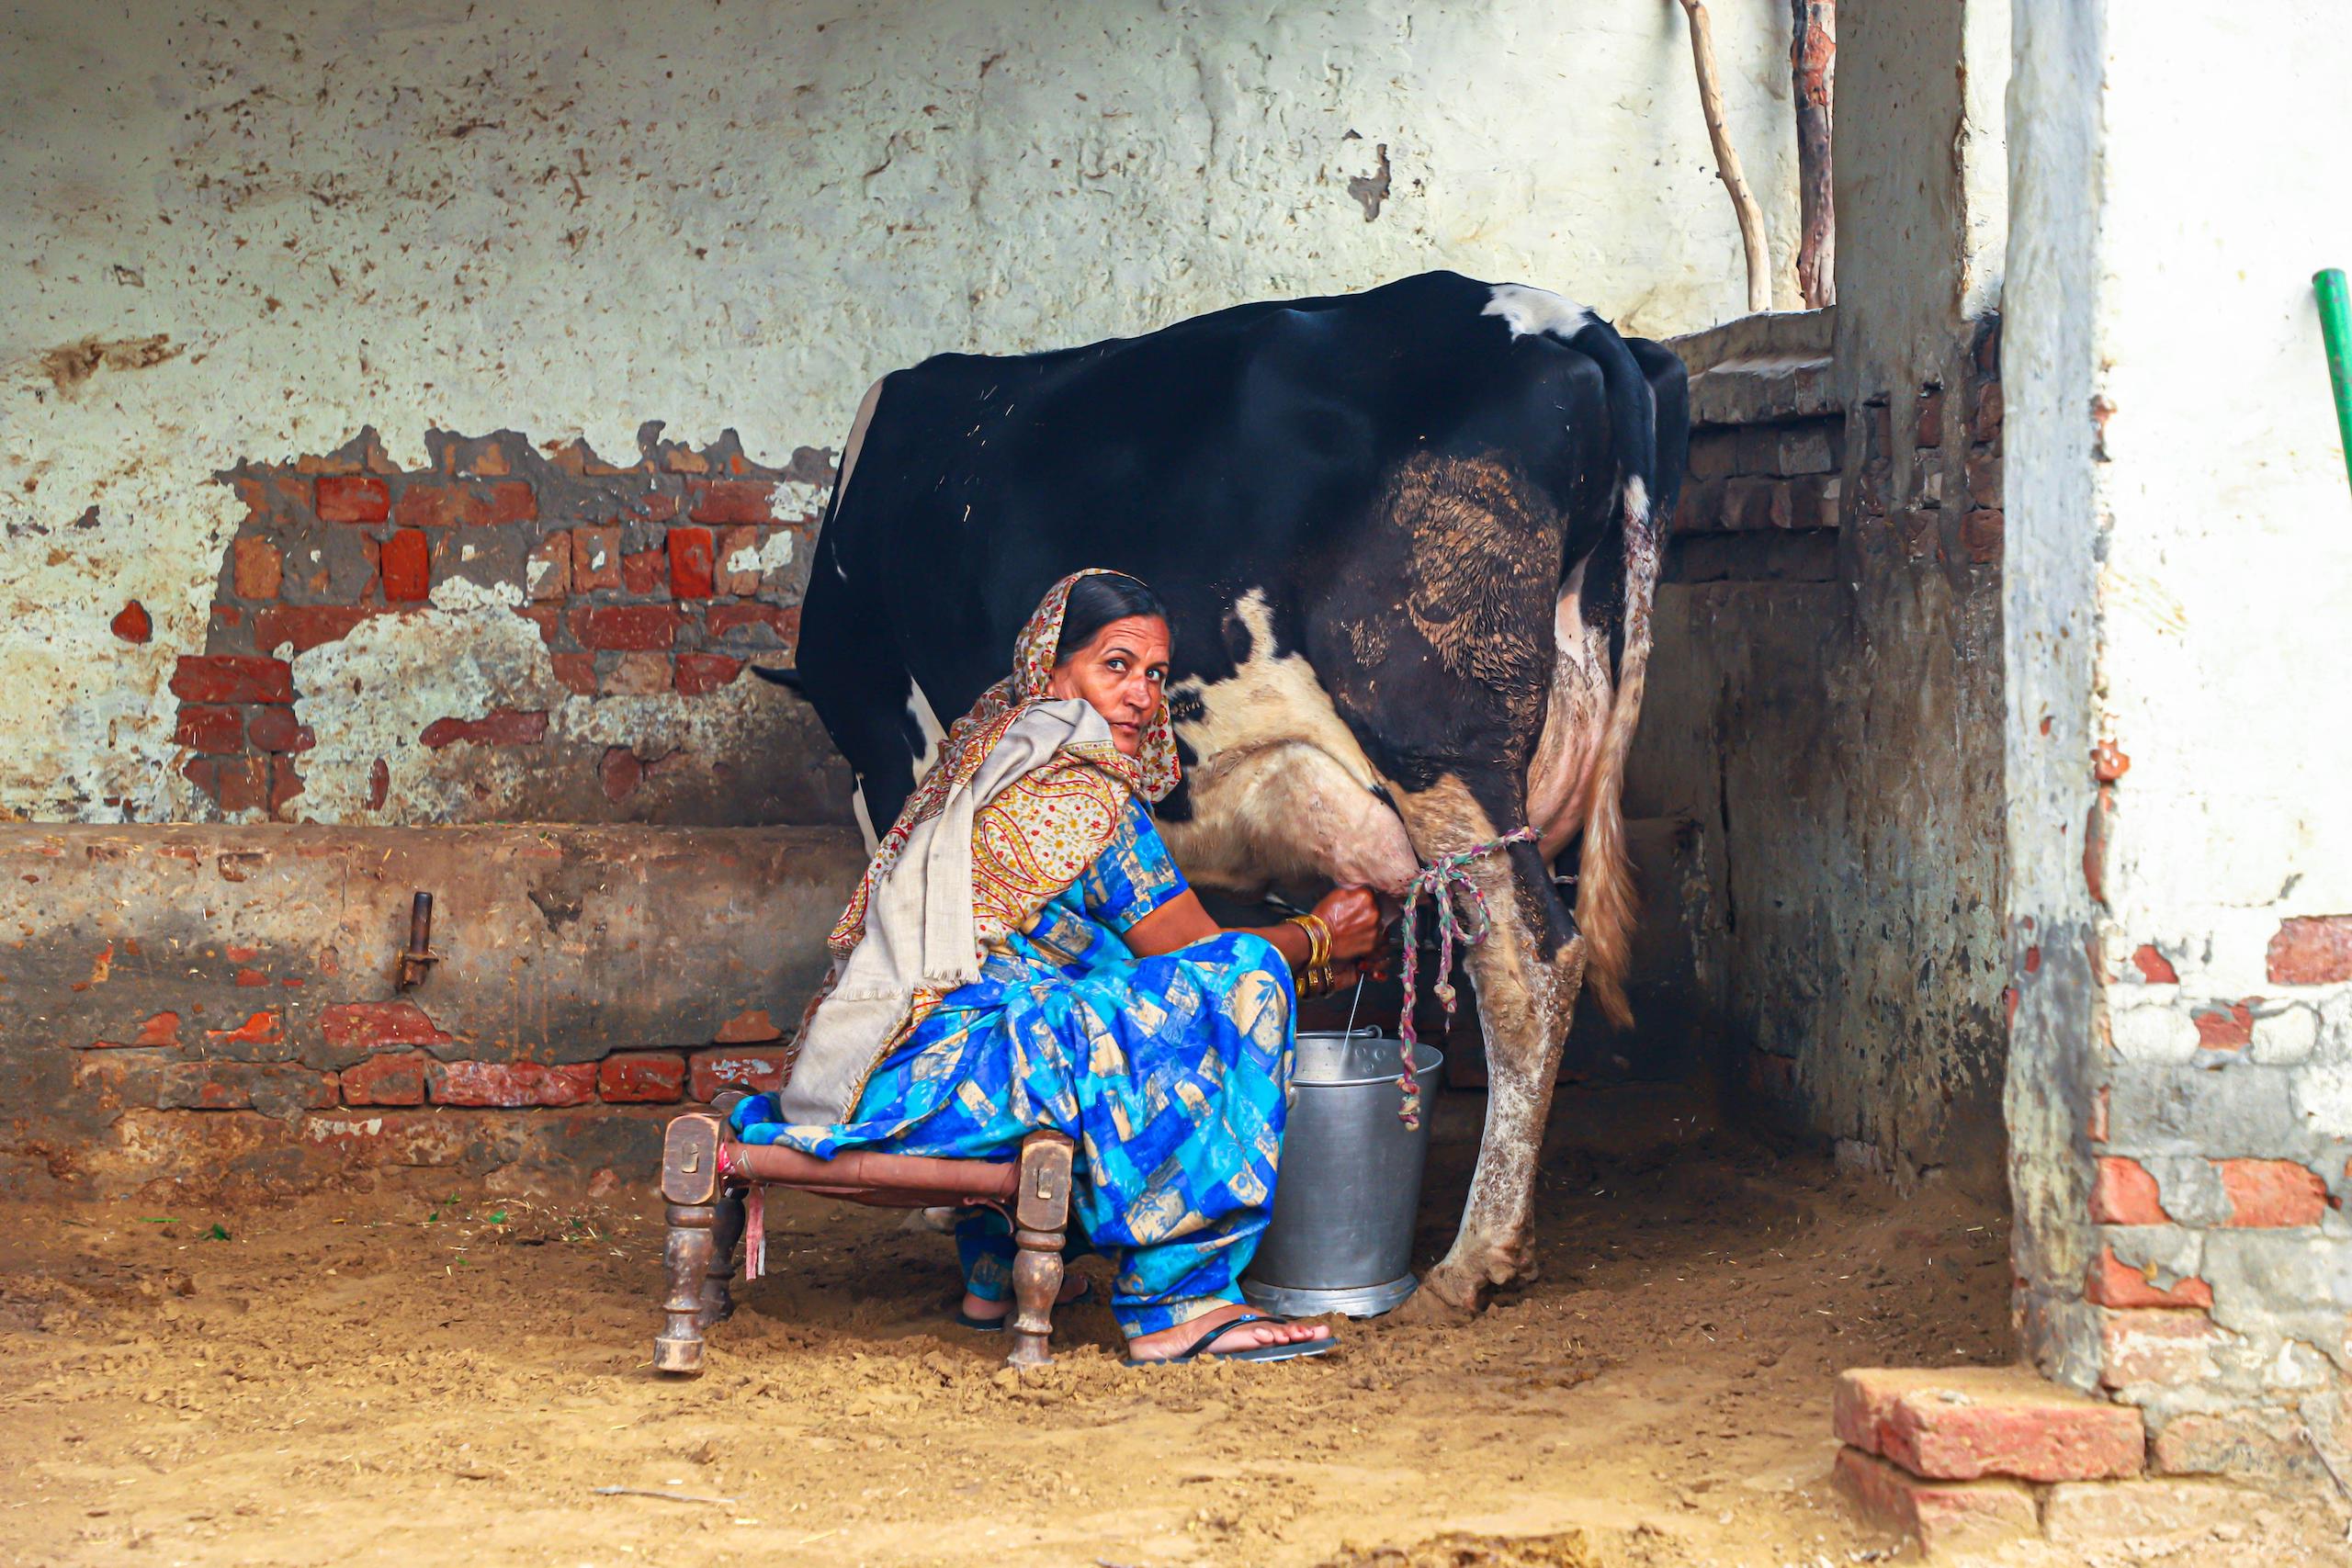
(1119, 674)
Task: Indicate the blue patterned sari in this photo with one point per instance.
(1171, 1073)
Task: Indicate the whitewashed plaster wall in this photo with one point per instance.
(1920, 166)
(265, 226)
(2179, 626)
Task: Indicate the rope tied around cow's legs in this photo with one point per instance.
(1440, 878)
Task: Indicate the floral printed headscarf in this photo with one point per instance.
(1150, 776)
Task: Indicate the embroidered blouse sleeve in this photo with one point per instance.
(1036, 837)
(1134, 875)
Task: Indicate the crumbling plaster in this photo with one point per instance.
(247, 231)
(2180, 614)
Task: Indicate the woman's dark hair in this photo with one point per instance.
(1095, 602)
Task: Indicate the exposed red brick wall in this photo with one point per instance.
(624, 568)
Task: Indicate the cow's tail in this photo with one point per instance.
(1606, 906)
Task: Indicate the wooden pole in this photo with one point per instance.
(1813, 63)
(1743, 200)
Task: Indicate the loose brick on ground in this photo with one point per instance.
(1943, 1516)
(1967, 1423)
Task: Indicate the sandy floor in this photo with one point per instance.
(440, 1374)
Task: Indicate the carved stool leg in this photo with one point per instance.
(690, 1185)
(1040, 1224)
(727, 1229)
(687, 1256)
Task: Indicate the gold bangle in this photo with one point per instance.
(1322, 935)
(1318, 946)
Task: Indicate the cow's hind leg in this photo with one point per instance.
(1527, 973)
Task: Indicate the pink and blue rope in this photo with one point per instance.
(1440, 878)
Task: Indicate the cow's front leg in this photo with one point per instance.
(1526, 972)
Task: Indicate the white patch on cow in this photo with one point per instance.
(1527, 311)
(865, 817)
(1287, 815)
(919, 709)
(1280, 792)
(1637, 499)
(1576, 721)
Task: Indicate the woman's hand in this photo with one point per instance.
(1353, 914)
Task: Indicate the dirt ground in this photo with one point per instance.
(437, 1374)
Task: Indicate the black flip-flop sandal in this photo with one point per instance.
(1200, 1347)
(996, 1325)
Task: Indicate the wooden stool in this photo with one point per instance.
(704, 1177)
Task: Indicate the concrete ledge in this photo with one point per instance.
(1760, 368)
(164, 990)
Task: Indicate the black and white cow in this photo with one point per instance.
(1407, 538)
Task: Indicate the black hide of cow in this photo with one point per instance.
(1405, 476)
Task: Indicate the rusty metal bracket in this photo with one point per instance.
(420, 958)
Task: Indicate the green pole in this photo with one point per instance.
(2335, 325)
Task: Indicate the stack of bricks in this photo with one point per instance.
(1963, 1458)
(1761, 501)
(659, 579)
(1780, 467)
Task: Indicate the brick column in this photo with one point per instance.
(2177, 595)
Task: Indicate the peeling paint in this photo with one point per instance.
(371, 695)
(578, 221)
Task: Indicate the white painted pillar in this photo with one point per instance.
(2178, 597)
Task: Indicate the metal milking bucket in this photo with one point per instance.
(1349, 1185)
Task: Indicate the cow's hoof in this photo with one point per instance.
(1449, 1293)
(1427, 1307)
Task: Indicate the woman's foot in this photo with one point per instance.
(1168, 1342)
(979, 1309)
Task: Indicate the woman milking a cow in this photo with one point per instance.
(1092, 993)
